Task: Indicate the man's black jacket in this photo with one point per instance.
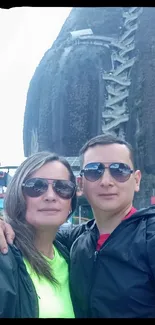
(119, 280)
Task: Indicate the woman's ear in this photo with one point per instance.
(79, 190)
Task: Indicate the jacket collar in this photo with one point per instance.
(145, 212)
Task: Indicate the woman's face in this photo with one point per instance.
(49, 209)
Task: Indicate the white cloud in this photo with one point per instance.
(27, 34)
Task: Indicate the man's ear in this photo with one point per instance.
(138, 177)
(79, 181)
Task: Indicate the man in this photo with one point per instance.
(112, 258)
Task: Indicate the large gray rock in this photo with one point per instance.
(98, 76)
(66, 93)
(141, 125)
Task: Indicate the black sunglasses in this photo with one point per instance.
(119, 171)
(35, 187)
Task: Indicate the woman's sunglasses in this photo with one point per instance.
(119, 171)
(35, 187)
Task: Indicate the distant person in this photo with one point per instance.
(34, 273)
(112, 258)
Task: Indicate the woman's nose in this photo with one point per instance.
(50, 195)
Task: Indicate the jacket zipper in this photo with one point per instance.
(96, 254)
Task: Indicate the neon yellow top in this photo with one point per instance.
(54, 301)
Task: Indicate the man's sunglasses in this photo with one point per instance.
(119, 171)
(35, 187)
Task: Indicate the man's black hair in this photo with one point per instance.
(104, 139)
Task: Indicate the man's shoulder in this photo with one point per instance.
(72, 232)
(71, 229)
(145, 213)
(148, 216)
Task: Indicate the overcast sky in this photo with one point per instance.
(26, 33)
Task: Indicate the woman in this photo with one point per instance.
(34, 273)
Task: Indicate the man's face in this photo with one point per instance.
(107, 193)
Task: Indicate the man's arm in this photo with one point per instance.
(7, 236)
(68, 234)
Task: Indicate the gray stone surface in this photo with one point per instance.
(100, 79)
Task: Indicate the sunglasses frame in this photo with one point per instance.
(46, 180)
(103, 170)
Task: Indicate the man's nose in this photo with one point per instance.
(50, 195)
(106, 179)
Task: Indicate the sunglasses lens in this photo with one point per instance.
(93, 171)
(35, 187)
(121, 172)
(65, 189)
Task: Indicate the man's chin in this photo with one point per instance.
(106, 207)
